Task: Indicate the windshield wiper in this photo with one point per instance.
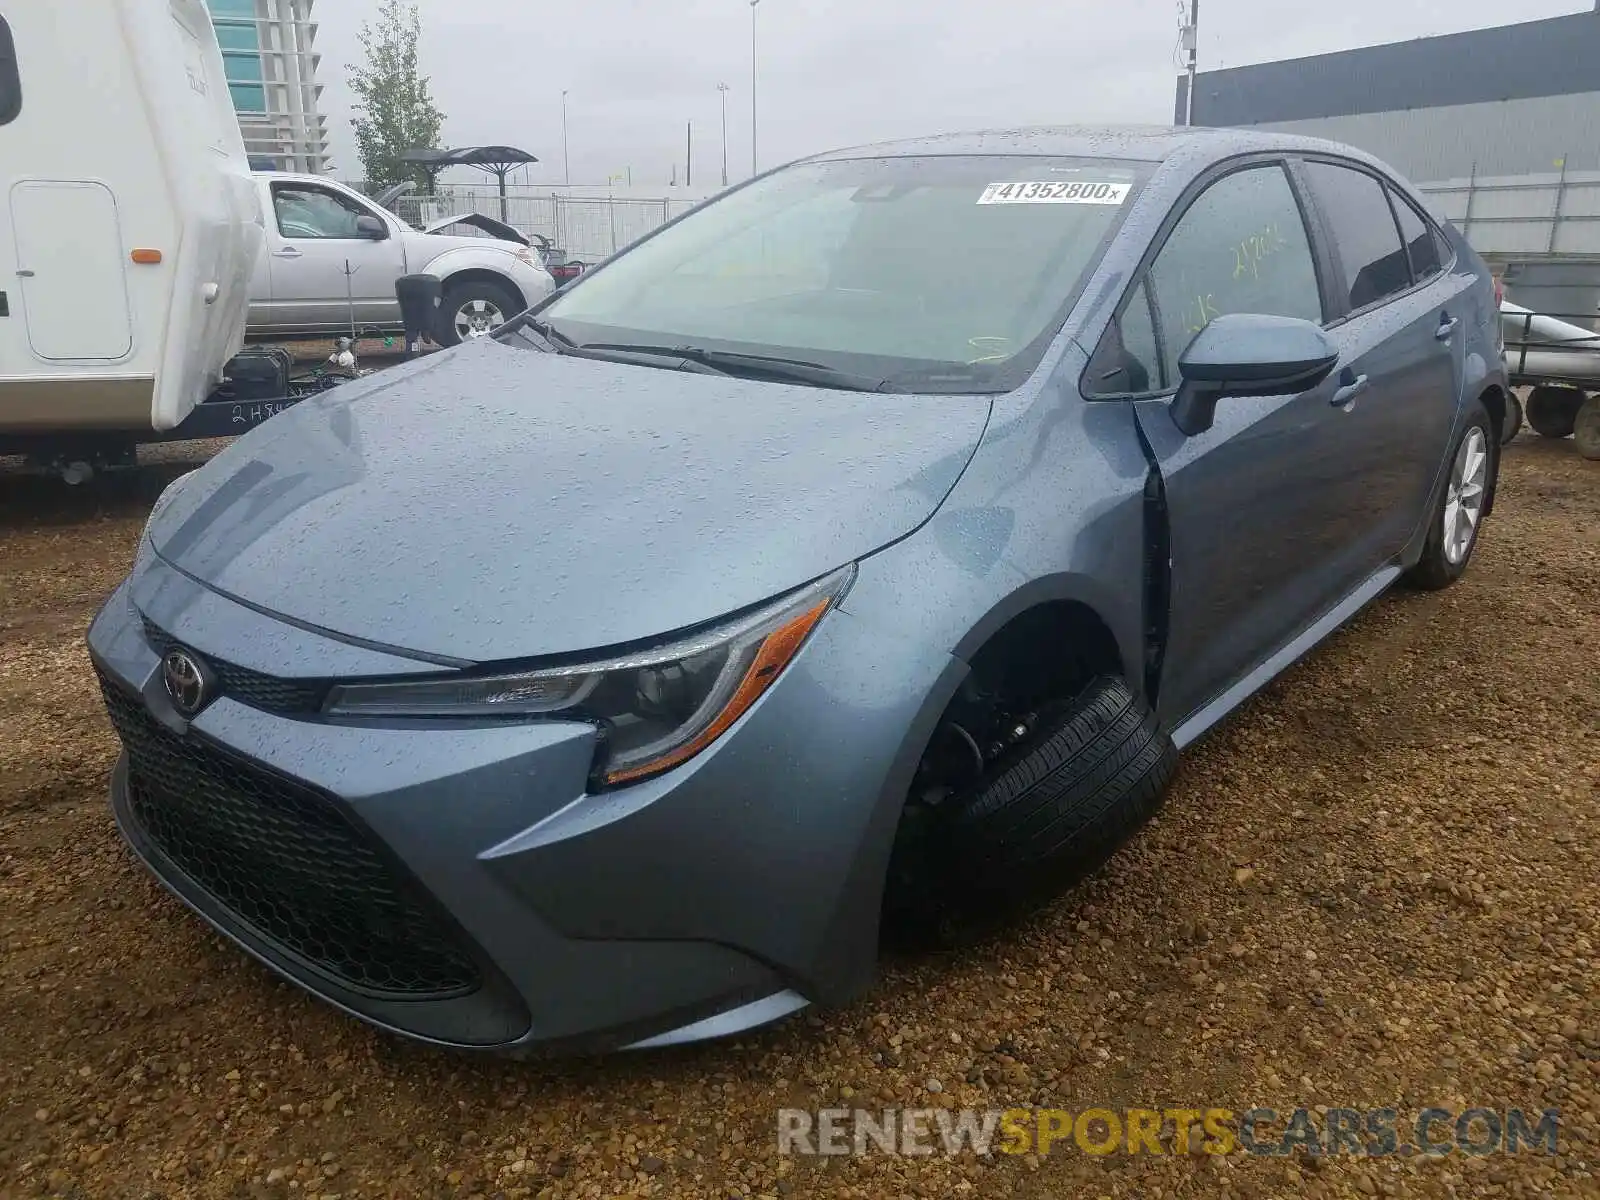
(767, 366)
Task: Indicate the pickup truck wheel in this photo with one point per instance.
(474, 309)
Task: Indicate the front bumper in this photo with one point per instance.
(719, 896)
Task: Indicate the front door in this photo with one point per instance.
(324, 276)
(1257, 505)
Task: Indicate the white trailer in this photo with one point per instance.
(129, 223)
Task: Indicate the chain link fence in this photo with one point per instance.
(588, 228)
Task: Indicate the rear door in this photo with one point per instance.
(70, 264)
(1398, 324)
(1255, 504)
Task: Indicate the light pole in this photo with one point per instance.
(753, 5)
(1191, 36)
(566, 157)
(723, 88)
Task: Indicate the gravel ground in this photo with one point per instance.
(1378, 885)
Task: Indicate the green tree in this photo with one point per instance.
(394, 109)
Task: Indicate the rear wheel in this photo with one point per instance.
(474, 309)
(1453, 533)
(1552, 411)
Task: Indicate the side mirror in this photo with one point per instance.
(371, 228)
(1248, 354)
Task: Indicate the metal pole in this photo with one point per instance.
(722, 88)
(566, 157)
(688, 160)
(1194, 59)
(753, 160)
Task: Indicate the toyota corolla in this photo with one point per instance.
(864, 544)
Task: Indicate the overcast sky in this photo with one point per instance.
(832, 72)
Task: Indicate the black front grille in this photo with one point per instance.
(287, 697)
(287, 863)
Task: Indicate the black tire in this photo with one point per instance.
(1552, 411)
(1435, 570)
(1586, 429)
(495, 297)
(1513, 425)
(1055, 809)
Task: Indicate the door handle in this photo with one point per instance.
(287, 252)
(1447, 326)
(1347, 393)
(24, 273)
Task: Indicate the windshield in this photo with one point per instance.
(934, 274)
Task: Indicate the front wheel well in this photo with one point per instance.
(1047, 652)
(484, 275)
(1038, 660)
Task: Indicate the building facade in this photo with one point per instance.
(1499, 127)
(1515, 100)
(268, 50)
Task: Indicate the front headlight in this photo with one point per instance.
(658, 708)
(529, 256)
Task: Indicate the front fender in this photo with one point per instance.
(467, 258)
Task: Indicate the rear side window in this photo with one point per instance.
(1366, 242)
(1240, 248)
(1418, 236)
(10, 82)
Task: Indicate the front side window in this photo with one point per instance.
(942, 274)
(1362, 226)
(10, 81)
(1241, 247)
(305, 212)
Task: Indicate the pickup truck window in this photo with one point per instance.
(313, 212)
(10, 82)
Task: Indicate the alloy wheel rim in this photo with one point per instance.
(478, 318)
(1463, 506)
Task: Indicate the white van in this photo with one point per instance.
(129, 223)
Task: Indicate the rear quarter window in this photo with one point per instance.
(10, 81)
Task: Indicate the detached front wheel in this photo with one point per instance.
(474, 309)
(1044, 815)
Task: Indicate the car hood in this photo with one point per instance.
(431, 245)
(494, 502)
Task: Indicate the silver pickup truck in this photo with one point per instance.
(332, 257)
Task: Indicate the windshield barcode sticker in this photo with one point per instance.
(1076, 192)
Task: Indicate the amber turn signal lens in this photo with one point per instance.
(146, 258)
(777, 649)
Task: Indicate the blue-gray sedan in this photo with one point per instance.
(864, 543)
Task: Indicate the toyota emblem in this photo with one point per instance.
(186, 680)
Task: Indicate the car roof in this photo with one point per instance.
(1134, 143)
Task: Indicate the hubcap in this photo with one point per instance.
(1463, 506)
(477, 318)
